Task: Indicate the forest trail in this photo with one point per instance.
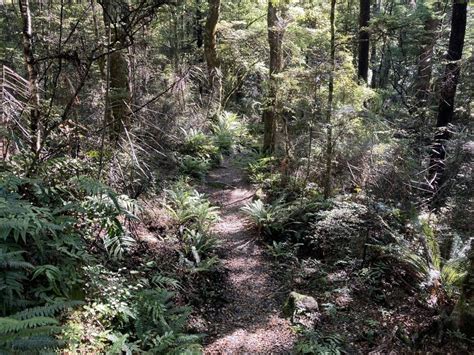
(250, 322)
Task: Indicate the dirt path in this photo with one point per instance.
(250, 322)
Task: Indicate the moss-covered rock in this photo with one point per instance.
(301, 309)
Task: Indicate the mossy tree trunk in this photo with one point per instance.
(118, 96)
(212, 59)
(275, 40)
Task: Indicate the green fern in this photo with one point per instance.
(13, 272)
(117, 245)
(34, 329)
(46, 311)
(315, 342)
(160, 324)
(190, 208)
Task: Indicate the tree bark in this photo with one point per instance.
(329, 142)
(448, 92)
(271, 112)
(117, 113)
(374, 60)
(364, 38)
(198, 33)
(212, 59)
(32, 68)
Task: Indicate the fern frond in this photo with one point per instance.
(11, 325)
(46, 311)
(37, 343)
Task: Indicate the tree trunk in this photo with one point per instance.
(271, 112)
(210, 53)
(198, 25)
(425, 62)
(32, 68)
(329, 142)
(374, 65)
(448, 92)
(364, 37)
(117, 114)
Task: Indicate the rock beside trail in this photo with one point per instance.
(301, 309)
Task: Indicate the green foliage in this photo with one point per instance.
(159, 323)
(33, 330)
(47, 224)
(194, 166)
(14, 270)
(285, 220)
(135, 315)
(196, 143)
(227, 131)
(262, 215)
(315, 342)
(261, 171)
(396, 260)
(189, 208)
(198, 244)
(284, 251)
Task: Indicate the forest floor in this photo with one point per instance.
(250, 321)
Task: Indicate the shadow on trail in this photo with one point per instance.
(250, 321)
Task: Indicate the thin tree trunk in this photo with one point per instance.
(32, 68)
(364, 37)
(448, 92)
(270, 114)
(212, 59)
(198, 33)
(373, 55)
(329, 143)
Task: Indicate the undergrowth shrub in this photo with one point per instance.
(398, 260)
(189, 208)
(198, 248)
(33, 330)
(262, 171)
(228, 130)
(339, 231)
(197, 143)
(53, 220)
(284, 220)
(196, 167)
(194, 215)
(131, 310)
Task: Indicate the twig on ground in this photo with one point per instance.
(239, 200)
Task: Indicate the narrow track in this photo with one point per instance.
(250, 323)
